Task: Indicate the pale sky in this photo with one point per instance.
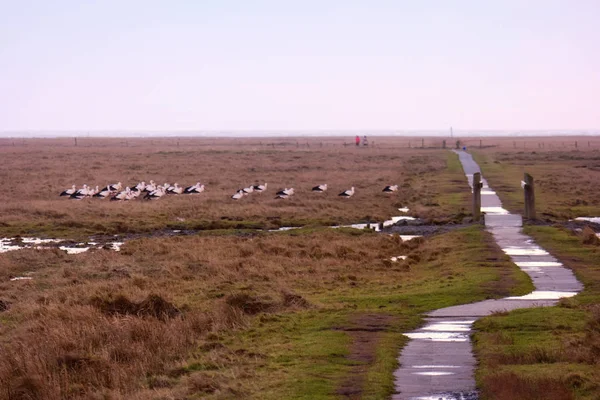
(297, 65)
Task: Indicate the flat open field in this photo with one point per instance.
(34, 172)
(566, 177)
(234, 311)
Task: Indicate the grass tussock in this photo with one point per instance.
(510, 386)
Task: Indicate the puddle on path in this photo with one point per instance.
(449, 396)
(434, 373)
(445, 338)
(525, 251)
(543, 295)
(540, 264)
(595, 220)
(494, 210)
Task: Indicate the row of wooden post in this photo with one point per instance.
(528, 189)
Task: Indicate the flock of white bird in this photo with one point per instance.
(150, 191)
(153, 191)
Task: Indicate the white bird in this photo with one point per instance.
(157, 194)
(192, 189)
(104, 193)
(132, 194)
(115, 187)
(151, 187)
(260, 188)
(248, 190)
(68, 192)
(523, 183)
(238, 195)
(320, 188)
(196, 189)
(175, 189)
(285, 192)
(123, 195)
(390, 189)
(92, 192)
(81, 193)
(347, 193)
(140, 187)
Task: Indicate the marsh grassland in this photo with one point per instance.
(234, 311)
(35, 171)
(547, 353)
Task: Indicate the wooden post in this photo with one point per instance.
(75, 142)
(422, 143)
(477, 185)
(480, 143)
(444, 144)
(529, 197)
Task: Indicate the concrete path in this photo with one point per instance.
(438, 363)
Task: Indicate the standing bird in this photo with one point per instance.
(390, 189)
(347, 193)
(260, 188)
(320, 188)
(68, 192)
(248, 190)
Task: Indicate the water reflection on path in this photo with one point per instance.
(443, 343)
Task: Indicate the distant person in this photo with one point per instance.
(464, 148)
(357, 139)
(365, 143)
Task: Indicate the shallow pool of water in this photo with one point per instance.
(13, 244)
(595, 220)
(543, 295)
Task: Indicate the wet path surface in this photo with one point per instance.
(438, 363)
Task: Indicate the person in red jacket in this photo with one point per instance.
(357, 140)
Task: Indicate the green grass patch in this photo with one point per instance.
(555, 347)
(305, 354)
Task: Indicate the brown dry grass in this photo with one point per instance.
(110, 325)
(566, 179)
(223, 316)
(510, 386)
(35, 173)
